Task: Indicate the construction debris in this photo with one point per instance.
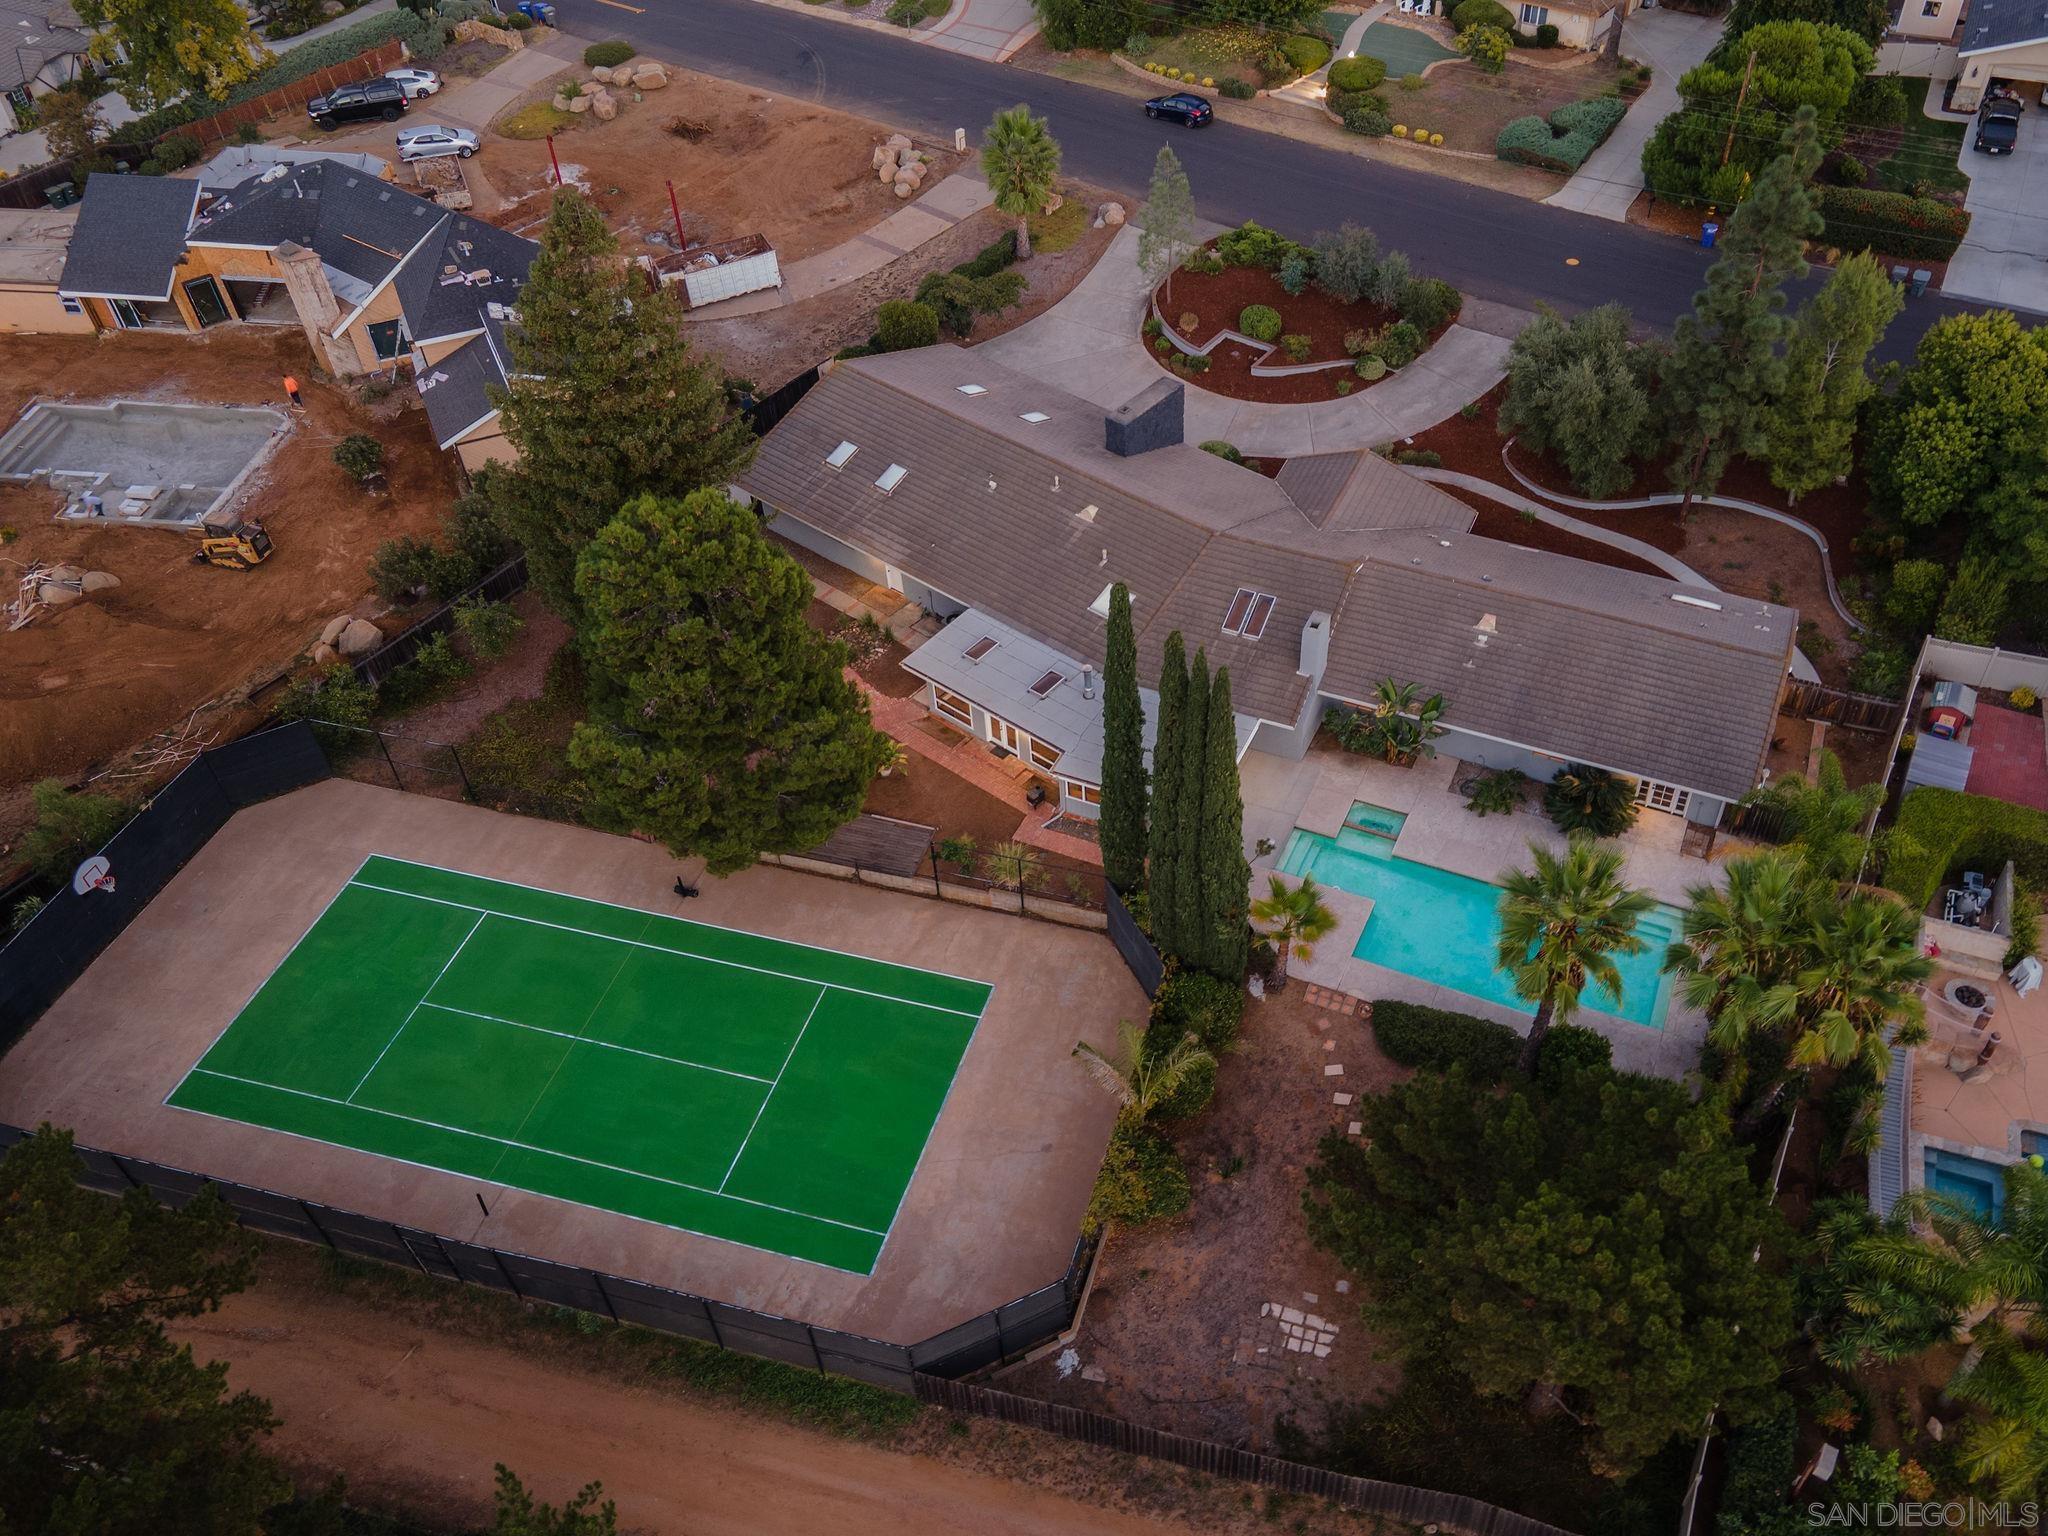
(688, 128)
(45, 588)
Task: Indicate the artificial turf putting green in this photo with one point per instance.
(728, 1084)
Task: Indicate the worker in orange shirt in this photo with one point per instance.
(291, 389)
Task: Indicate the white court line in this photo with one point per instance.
(788, 1057)
(635, 1173)
(415, 1008)
(634, 1050)
(684, 954)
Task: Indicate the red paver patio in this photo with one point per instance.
(2011, 761)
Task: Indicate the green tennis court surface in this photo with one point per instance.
(725, 1083)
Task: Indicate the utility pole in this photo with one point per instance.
(1748, 70)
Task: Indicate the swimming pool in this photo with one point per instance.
(1443, 927)
(1971, 1179)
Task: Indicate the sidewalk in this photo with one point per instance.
(475, 103)
(1089, 345)
(1670, 42)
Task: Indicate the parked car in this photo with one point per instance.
(359, 103)
(1998, 126)
(1182, 107)
(414, 81)
(431, 139)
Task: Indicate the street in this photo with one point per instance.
(1490, 244)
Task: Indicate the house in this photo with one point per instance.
(1927, 20)
(375, 276)
(2001, 40)
(44, 47)
(33, 245)
(1579, 23)
(1007, 508)
(236, 163)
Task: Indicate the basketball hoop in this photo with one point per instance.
(95, 874)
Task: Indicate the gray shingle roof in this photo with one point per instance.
(1586, 661)
(456, 390)
(1995, 24)
(130, 236)
(32, 34)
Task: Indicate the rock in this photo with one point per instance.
(623, 75)
(98, 581)
(650, 77)
(64, 571)
(604, 107)
(904, 189)
(334, 628)
(360, 637)
(896, 141)
(579, 103)
(1054, 203)
(325, 656)
(887, 173)
(1112, 214)
(58, 596)
(591, 87)
(881, 157)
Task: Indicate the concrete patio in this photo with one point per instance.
(1316, 793)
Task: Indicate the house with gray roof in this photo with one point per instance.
(42, 46)
(2000, 40)
(374, 275)
(1007, 508)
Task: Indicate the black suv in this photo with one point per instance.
(359, 103)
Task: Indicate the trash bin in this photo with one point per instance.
(1921, 278)
(1709, 232)
(1900, 276)
(62, 195)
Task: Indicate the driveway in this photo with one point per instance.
(1670, 42)
(983, 29)
(2004, 259)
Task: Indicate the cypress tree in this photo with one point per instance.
(1122, 829)
(1190, 923)
(1226, 875)
(1165, 828)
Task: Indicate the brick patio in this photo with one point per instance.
(2011, 761)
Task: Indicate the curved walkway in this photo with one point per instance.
(1672, 499)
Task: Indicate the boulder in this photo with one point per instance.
(881, 157)
(578, 104)
(650, 77)
(887, 173)
(1111, 216)
(622, 75)
(57, 596)
(98, 581)
(325, 656)
(359, 638)
(334, 628)
(63, 571)
(896, 141)
(591, 87)
(904, 189)
(604, 106)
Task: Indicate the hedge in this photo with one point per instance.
(1943, 829)
(1482, 13)
(991, 258)
(1574, 131)
(1865, 219)
(1305, 54)
(1360, 72)
(1437, 1040)
(1191, 1002)
(608, 55)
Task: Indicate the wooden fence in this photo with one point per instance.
(1836, 706)
(1448, 1511)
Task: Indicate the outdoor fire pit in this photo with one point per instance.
(1967, 996)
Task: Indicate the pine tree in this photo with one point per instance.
(1723, 373)
(1226, 875)
(1122, 829)
(607, 403)
(1162, 882)
(1190, 921)
(720, 722)
(1813, 430)
(1168, 231)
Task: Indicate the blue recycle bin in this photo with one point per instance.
(1709, 233)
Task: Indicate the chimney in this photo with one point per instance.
(313, 300)
(1152, 418)
(1315, 649)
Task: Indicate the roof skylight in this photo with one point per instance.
(838, 456)
(1035, 417)
(1248, 613)
(890, 478)
(981, 648)
(1046, 684)
(972, 389)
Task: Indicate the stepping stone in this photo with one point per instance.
(1290, 1315)
(1333, 1070)
(1343, 1287)
(1094, 1373)
(1311, 1298)
(1329, 1045)
(1357, 1128)
(1322, 1350)
(1340, 1098)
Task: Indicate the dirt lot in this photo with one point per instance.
(91, 681)
(1174, 1322)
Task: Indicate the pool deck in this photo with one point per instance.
(1979, 1108)
(1316, 793)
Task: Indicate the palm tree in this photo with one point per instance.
(1741, 939)
(2008, 1449)
(1880, 1294)
(1138, 1081)
(1298, 919)
(1022, 163)
(1561, 924)
(1825, 819)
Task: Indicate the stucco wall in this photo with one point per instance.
(29, 309)
(486, 446)
(862, 564)
(2028, 63)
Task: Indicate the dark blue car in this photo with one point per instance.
(1182, 107)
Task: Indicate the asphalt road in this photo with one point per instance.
(1488, 243)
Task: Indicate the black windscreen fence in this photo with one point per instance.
(1139, 954)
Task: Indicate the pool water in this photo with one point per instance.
(1443, 927)
(1970, 1179)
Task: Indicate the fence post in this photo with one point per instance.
(938, 885)
(597, 1279)
(711, 1317)
(314, 1222)
(462, 773)
(811, 1338)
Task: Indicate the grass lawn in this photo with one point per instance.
(1055, 231)
(1404, 50)
(536, 121)
(1927, 154)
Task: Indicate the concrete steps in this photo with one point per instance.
(20, 448)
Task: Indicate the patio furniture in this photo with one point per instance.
(2025, 976)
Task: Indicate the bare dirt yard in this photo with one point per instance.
(1174, 1326)
(83, 685)
(415, 1390)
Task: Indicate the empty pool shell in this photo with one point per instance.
(161, 465)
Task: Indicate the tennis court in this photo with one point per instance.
(728, 1084)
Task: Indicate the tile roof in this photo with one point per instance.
(1594, 663)
(130, 236)
(1992, 25)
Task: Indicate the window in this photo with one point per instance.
(388, 339)
(1044, 754)
(1662, 797)
(1086, 794)
(1046, 684)
(1535, 15)
(838, 456)
(1931, 8)
(952, 706)
(1248, 613)
(890, 478)
(980, 648)
(72, 306)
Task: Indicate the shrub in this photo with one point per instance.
(1389, 280)
(1482, 13)
(1882, 668)
(1574, 131)
(902, 324)
(1347, 262)
(1940, 830)
(1879, 101)
(1546, 35)
(1428, 302)
(1570, 1049)
(69, 825)
(336, 696)
(1254, 245)
(177, 152)
(1914, 595)
(1369, 121)
(1141, 1180)
(607, 55)
(2023, 698)
(1583, 798)
(1851, 172)
(956, 298)
(1205, 1006)
(905, 13)
(1412, 82)
(1294, 272)
(1259, 322)
(1487, 47)
(359, 455)
(1343, 386)
(1420, 458)
(1341, 102)
(1370, 368)
(1238, 90)
(1296, 345)
(1436, 1039)
(402, 568)
(1401, 344)
(1195, 1090)
(1222, 450)
(2026, 924)
(1890, 223)
(1305, 55)
(489, 628)
(991, 258)
(1762, 1461)
(1496, 793)
(1359, 72)
(433, 667)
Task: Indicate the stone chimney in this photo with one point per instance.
(318, 310)
(1152, 418)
